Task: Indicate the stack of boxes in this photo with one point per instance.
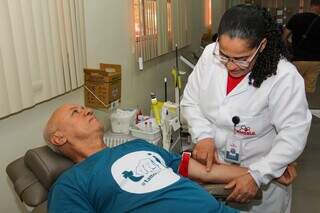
(102, 85)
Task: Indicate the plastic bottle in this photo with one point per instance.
(155, 109)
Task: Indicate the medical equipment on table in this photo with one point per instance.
(176, 78)
(153, 135)
(148, 124)
(170, 127)
(156, 108)
(165, 90)
(166, 115)
(121, 120)
(148, 129)
(114, 139)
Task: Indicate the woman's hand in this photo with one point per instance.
(205, 152)
(244, 188)
(289, 175)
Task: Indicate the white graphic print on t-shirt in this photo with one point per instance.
(142, 172)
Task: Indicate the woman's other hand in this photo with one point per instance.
(289, 175)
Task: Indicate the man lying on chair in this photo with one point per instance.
(133, 177)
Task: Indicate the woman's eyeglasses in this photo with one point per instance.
(243, 64)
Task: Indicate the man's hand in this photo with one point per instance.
(289, 175)
(205, 152)
(244, 189)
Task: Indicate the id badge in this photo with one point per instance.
(233, 150)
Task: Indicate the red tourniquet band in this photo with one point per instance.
(183, 167)
(233, 82)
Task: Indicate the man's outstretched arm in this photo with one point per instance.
(219, 173)
(223, 173)
(235, 178)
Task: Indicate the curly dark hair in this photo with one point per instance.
(254, 23)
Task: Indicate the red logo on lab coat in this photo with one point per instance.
(243, 130)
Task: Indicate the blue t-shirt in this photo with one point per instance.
(133, 177)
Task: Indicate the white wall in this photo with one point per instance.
(196, 14)
(218, 9)
(108, 42)
(20, 132)
(108, 38)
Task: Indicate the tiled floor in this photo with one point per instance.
(306, 188)
(314, 98)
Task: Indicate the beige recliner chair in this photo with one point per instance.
(33, 174)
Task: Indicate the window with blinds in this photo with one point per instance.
(42, 51)
(207, 15)
(159, 25)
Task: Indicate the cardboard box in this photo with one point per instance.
(104, 83)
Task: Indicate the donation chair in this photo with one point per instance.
(33, 174)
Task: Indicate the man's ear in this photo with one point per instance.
(58, 139)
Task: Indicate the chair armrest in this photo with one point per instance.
(219, 192)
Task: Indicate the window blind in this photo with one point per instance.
(42, 51)
(159, 25)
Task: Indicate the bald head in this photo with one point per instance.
(73, 129)
(51, 128)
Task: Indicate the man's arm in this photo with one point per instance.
(222, 173)
(237, 178)
(219, 173)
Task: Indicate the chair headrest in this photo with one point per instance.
(46, 164)
(26, 184)
(33, 174)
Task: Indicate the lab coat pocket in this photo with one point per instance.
(251, 127)
(257, 136)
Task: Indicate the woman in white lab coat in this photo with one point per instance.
(245, 103)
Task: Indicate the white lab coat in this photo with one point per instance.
(277, 114)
